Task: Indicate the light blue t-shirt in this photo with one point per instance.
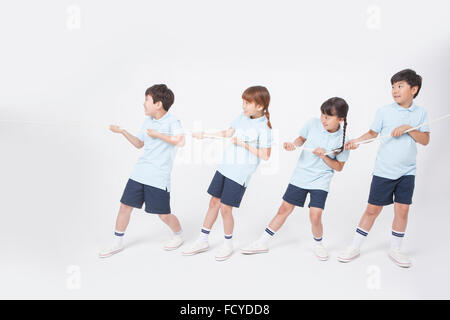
(396, 157)
(311, 171)
(238, 163)
(155, 165)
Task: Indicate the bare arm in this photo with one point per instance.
(351, 144)
(177, 140)
(263, 153)
(133, 140)
(224, 133)
(420, 137)
(290, 146)
(333, 164)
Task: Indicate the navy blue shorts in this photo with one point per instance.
(385, 191)
(156, 200)
(228, 191)
(297, 196)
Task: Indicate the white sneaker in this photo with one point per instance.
(197, 247)
(320, 252)
(174, 243)
(113, 249)
(349, 254)
(224, 252)
(399, 258)
(255, 247)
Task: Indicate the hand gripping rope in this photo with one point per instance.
(358, 143)
(385, 136)
(409, 130)
(210, 136)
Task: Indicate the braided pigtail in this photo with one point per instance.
(268, 118)
(343, 138)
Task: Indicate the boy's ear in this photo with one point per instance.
(414, 89)
(159, 104)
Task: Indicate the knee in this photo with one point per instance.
(285, 209)
(225, 210)
(372, 212)
(315, 217)
(214, 203)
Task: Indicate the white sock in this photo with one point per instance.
(396, 240)
(179, 233)
(229, 240)
(118, 238)
(318, 240)
(204, 234)
(266, 236)
(359, 237)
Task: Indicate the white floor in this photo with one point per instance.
(38, 267)
(58, 212)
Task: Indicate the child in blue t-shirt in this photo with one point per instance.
(149, 181)
(395, 165)
(313, 173)
(251, 137)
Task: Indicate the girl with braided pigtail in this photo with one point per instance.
(313, 173)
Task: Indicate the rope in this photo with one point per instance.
(211, 136)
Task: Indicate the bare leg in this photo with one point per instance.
(201, 244)
(123, 217)
(369, 216)
(227, 216)
(122, 221)
(315, 215)
(400, 217)
(283, 212)
(212, 213)
(172, 221)
(399, 225)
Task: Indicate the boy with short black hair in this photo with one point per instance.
(395, 165)
(149, 182)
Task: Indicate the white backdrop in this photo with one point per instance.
(70, 68)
